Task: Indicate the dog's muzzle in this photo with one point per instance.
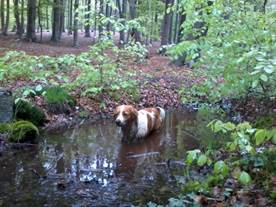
(119, 122)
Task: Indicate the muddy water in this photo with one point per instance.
(89, 166)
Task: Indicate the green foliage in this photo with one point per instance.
(134, 51)
(57, 95)
(58, 100)
(25, 110)
(237, 55)
(104, 75)
(245, 156)
(20, 131)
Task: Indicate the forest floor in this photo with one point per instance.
(158, 80)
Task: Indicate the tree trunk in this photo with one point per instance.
(2, 16)
(108, 14)
(7, 18)
(95, 23)
(122, 13)
(62, 17)
(87, 19)
(70, 27)
(39, 19)
(17, 19)
(31, 16)
(101, 13)
(76, 26)
(22, 16)
(176, 23)
(56, 32)
(132, 9)
(165, 33)
(47, 18)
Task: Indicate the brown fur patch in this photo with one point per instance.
(156, 123)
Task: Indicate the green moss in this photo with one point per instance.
(26, 111)
(4, 128)
(20, 131)
(58, 100)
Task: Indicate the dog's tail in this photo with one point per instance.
(162, 113)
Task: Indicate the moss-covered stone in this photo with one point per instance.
(58, 100)
(20, 131)
(26, 111)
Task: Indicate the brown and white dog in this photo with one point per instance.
(138, 124)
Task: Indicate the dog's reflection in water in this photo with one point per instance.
(134, 159)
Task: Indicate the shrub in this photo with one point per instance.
(58, 100)
(20, 131)
(26, 111)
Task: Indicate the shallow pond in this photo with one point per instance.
(89, 166)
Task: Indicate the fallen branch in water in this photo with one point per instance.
(143, 155)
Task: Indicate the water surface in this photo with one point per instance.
(89, 166)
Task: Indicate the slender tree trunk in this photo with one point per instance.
(132, 9)
(2, 16)
(176, 23)
(165, 33)
(39, 19)
(70, 28)
(170, 40)
(56, 25)
(31, 14)
(87, 19)
(122, 13)
(17, 19)
(47, 18)
(76, 26)
(264, 5)
(107, 14)
(7, 18)
(101, 13)
(62, 16)
(22, 16)
(95, 23)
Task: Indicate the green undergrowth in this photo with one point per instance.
(243, 164)
(236, 55)
(27, 111)
(20, 131)
(100, 70)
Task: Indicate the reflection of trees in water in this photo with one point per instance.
(82, 153)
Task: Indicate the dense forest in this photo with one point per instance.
(65, 65)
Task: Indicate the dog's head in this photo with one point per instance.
(124, 115)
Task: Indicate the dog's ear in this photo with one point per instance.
(116, 111)
(134, 112)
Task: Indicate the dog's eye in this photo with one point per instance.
(125, 114)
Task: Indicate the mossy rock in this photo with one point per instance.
(20, 131)
(58, 100)
(26, 111)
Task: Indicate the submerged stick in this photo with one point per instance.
(143, 155)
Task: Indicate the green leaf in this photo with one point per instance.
(38, 88)
(191, 156)
(255, 83)
(202, 160)
(269, 70)
(244, 178)
(221, 168)
(260, 136)
(264, 78)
